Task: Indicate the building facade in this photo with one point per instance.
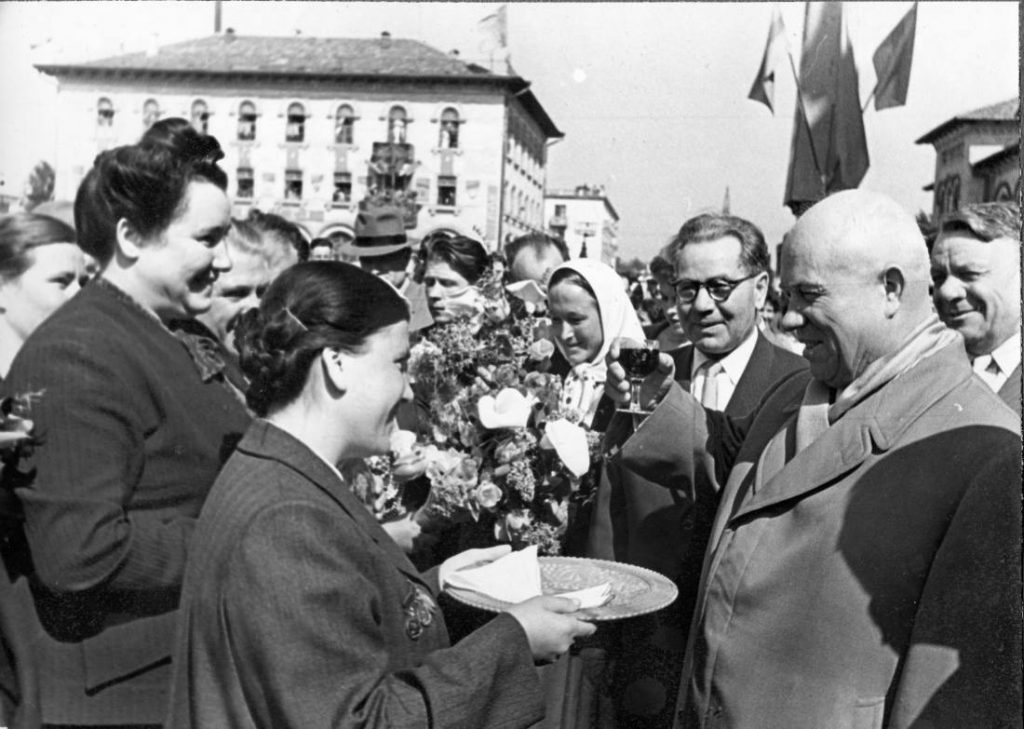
(977, 157)
(586, 219)
(312, 126)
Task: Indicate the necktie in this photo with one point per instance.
(987, 369)
(709, 393)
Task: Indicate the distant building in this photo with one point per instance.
(586, 219)
(977, 157)
(312, 126)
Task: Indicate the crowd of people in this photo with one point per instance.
(827, 467)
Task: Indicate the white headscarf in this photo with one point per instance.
(583, 386)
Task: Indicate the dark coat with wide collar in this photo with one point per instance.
(130, 439)
(875, 579)
(300, 611)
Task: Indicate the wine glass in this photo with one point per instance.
(638, 359)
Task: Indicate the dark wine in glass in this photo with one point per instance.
(638, 362)
(638, 359)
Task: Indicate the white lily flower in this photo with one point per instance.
(402, 441)
(570, 443)
(510, 409)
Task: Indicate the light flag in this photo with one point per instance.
(495, 27)
(892, 63)
(775, 51)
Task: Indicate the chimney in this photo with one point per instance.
(385, 40)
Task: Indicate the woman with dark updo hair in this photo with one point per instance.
(133, 427)
(298, 610)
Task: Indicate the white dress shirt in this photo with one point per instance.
(996, 367)
(733, 365)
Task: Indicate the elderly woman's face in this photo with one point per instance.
(179, 265)
(54, 275)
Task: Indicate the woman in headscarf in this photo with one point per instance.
(589, 310)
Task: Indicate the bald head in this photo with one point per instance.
(855, 269)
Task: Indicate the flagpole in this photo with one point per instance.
(807, 122)
(870, 97)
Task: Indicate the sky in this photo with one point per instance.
(652, 97)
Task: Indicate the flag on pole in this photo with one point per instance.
(892, 63)
(775, 52)
(495, 27)
(829, 117)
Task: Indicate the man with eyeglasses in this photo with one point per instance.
(721, 281)
(860, 535)
(720, 265)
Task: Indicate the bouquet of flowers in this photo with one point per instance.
(504, 449)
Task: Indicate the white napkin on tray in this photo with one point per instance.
(516, 577)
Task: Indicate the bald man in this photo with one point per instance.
(863, 560)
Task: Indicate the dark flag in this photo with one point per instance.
(829, 150)
(763, 89)
(892, 63)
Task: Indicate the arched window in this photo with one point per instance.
(397, 120)
(344, 125)
(104, 113)
(295, 129)
(449, 138)
(247, 121)
(150, 113)
(200, 116)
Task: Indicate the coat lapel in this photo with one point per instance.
(872, 425)
(265, 440)
(683, 358)
(756, 378)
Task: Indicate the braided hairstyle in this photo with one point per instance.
(309, 307)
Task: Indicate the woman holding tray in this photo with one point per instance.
(298, 610)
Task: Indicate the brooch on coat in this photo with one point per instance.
(419, 608)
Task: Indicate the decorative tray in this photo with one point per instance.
(635, 590)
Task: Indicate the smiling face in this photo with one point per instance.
(442, 282)
(835, 311)
(235, 292)
(178, 266)
(976, 288)
(379, 383)
(718, 327)
(54, 275)
(575, 321)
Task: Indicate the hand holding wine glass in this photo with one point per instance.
(638, 369)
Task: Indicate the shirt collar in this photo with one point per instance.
(1007, 354)
(734, 363)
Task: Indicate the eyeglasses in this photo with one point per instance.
(719, 289)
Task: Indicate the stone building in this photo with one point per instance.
(586, 219)
(311, 126)
(977, 157)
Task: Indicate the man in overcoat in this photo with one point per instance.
(863, 566)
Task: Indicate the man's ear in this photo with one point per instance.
(128, 240)
(760, 290)
(334, 368)
(895, 284)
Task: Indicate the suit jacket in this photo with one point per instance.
(875, 580)
(130, 439)
(646, 524)
(768, 364)
(1010, 392)
(299, 611)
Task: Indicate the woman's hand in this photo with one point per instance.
(655, 385)
(550, 625)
